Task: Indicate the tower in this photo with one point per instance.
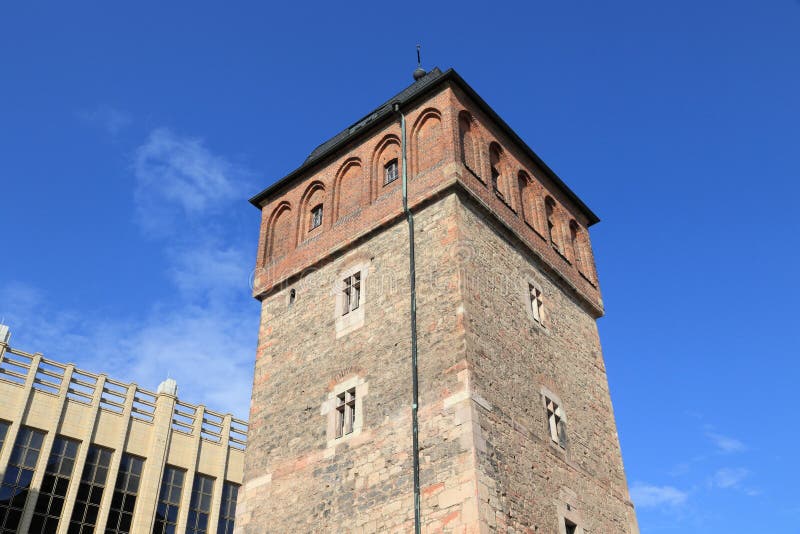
(515, 424)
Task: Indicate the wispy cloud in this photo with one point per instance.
(203, 334)
(179, 178)
(729, 478)
(651, 496)
(110, 119)
(726, 444)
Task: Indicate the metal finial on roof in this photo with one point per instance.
(419, 72)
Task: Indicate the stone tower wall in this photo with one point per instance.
(528, 482)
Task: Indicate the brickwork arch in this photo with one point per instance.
(280, 233)
(469, 145)
(386, 150)
(499, 172)
(427, 150)
(314, 195)
(530, 208)
(348, 188)
(580, 249)
(554, 229)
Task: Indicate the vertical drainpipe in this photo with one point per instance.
(413, 282)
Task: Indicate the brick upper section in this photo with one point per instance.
(453, 141)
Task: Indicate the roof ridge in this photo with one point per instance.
(409, 91)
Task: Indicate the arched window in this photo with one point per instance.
(385, 168)
(311, 214)
(498, 180)
(552, 222)
(469, 147)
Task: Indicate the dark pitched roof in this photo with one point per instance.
(381, 111)
(417, 89)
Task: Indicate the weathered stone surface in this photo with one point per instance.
(487, 460)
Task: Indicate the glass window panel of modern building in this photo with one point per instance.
(169, 501)
(227, 513)
(3, 432)
(200, 505)
(126, 490)
(57, 474)
(90, 491)
(18, 476)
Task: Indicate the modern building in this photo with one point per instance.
(81, 452)
(428, 352)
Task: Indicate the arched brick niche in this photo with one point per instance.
(314, 211)
(280, 233)
(349, 188)
(386, 165)
(469, 144)
(529, 195)
(500, 172)
(427, 150)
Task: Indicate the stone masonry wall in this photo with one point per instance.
(527, 482)
(295, 480)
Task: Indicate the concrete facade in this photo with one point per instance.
(517, 431)
(111, 442)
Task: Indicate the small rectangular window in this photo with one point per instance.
(345, 412)
(316, 217)
(390, 173)
(537, 304)
(555, 422)
(352, 293)
(570, 527)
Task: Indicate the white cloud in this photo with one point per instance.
(112, 120)
(179, 178)
(204, 334)
(726, 444)
(650, 496)
(728, 478)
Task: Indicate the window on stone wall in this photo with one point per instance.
(555, 422)
(390, 172)
(345, 412)
(570, 527)
(536, 303)
(316, 216)
(352, 293)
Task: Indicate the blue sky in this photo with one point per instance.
(131, 137)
